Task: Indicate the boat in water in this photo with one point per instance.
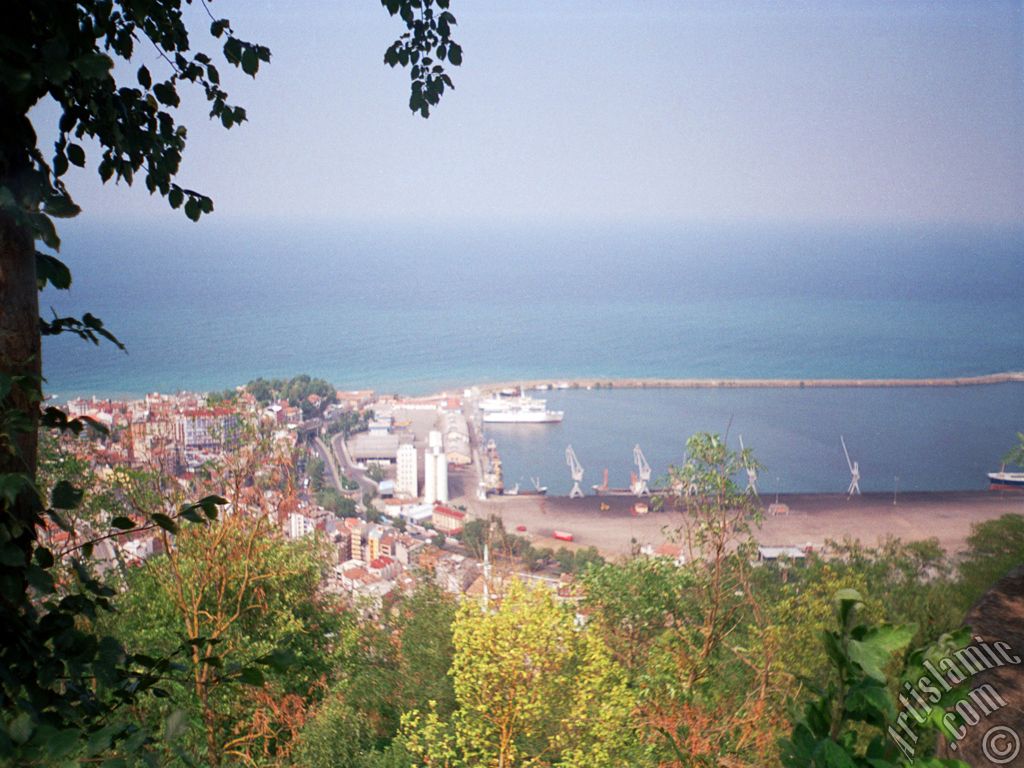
(1006, 481)
(518, 410)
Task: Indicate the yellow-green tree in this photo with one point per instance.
(532, 689)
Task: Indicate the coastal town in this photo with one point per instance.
(380, 479)
(390, 483)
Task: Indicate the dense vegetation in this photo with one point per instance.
(296, 391)
(641, 662)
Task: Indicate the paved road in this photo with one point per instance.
(328, 461)
(348, 466)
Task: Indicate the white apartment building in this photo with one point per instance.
(406, 475)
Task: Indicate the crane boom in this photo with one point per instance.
(575, 471)
(854, 466)
(751, 470)
(643, 472)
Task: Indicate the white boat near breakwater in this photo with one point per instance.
(518, 410)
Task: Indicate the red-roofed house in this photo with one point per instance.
(448, 520)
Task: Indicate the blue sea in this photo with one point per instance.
(415, 308)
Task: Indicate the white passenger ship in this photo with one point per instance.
(518, 410)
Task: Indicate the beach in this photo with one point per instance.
(813, 519)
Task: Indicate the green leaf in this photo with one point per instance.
(871, 703)
(892, 637)
(455, 53)
(873, 651)
(193, 516)
(76, 155)
(50, 269)
(166, 94)
(40, 579)
(60, 206)
(93, 65)
(192, 209)
(20, 729)
(45, 230)
(65, 495)
(847, 600)
(233, 50)
(251, 676)
(250, 62)
(13, 485)
(165, 522)
(834, 755)
(61, 743)
(145, 79)
(123, 523)
(44, 557)
(134, 742)
(100, 741)
(279, 659)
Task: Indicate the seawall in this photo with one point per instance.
(660, 383)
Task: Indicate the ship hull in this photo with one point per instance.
(517, 417)
(1006, 481)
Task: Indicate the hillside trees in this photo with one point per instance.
(245, 596)
(296, 390)
(994, 548)
(713, 683)
(531, 689)
(380, 671)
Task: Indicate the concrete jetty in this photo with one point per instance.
(667, 383)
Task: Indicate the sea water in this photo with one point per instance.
(418, 308)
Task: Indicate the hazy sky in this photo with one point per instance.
(811, 112)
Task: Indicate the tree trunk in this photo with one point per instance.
(19, 354)
(19, 333)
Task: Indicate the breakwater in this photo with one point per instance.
(668, 383)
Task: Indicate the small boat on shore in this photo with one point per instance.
(1006, 481)
(537, 490)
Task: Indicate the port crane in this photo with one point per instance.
(643, 473)
(854, 471)
(576, 471)
(751, 469)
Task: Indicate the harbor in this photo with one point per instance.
(618, 517)
(902, 438)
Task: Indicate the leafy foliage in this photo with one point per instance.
(994, 548)
(424, 48)
(64, 684)
(1016, 454)
(848, 724)
(296, 391)
(531, 689)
